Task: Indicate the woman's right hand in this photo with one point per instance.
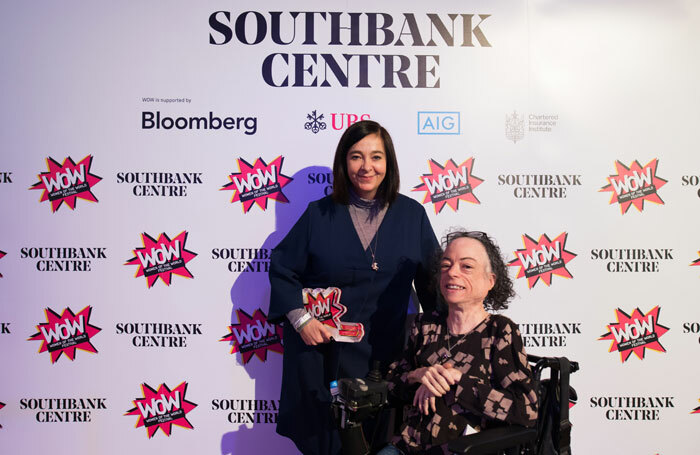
(314, 333)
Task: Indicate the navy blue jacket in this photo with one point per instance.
(323, 249)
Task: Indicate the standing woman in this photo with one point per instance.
(372, 243)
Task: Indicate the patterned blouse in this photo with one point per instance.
(496, 383)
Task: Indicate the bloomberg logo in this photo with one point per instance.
(154, 120)
(434, 122)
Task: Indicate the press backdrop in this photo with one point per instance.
(153, 153)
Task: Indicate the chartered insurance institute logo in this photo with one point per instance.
(162, 408)
(635, 184)
(256, 183)
(66, 182)
(449, 184)
(64, 333)
(162, 258)
(254, 335)
(515, 127)
(541, 259)
(636, 333)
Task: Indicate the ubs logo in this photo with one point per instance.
(316, 122)
(439, 122)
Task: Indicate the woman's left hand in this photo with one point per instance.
(424, 400)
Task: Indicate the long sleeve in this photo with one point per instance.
(510, 396)
(287, 263)
(397, 376)
(429, 246)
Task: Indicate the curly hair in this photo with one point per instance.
(502, 291)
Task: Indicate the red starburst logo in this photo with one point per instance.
(543, 258)
(162, 258)
(64, 333)
(635, 184)
(324, 305)
(449, 184)
(66, 182)
(695, 262)
(254, 336)
(2, 255)
(257, 183)
(696, 410)
(636, 333)
(162, 408)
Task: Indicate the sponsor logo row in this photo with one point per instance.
(428, 122)
(160, 407)
(258, 182)
(63, 334)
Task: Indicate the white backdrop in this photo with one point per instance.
(562, 90)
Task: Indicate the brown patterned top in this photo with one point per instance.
(496, 384)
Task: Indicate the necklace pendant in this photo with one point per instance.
(375, 266)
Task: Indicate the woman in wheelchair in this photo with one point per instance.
(463, 367)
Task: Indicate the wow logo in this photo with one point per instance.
(324, 305)
(2, 255)
(162, 258)
(449, 184)
(636, 333)
(695, 262)
(254, 336)
(65, 333)
(696, 410)
(543, 258)
(257, 183)
(66, 182)
(162, 409)
(635, 184)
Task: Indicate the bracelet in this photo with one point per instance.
(302, 321)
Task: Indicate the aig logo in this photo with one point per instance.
(433, 122)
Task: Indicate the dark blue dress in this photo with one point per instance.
(323, 250)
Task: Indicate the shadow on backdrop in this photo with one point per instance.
(251, 291)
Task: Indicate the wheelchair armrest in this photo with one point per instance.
(492, 440)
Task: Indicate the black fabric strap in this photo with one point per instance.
(564, 423)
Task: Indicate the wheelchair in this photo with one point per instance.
(551, 435)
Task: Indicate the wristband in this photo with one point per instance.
(302, 321)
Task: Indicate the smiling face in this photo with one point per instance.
(465, 273)
(366, 163)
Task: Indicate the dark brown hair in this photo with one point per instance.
(389, 188)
